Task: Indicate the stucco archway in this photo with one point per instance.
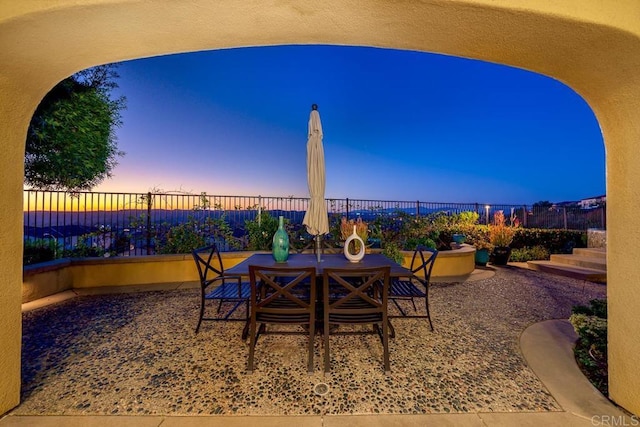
(592, 46)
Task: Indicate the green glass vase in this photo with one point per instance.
(280, 247)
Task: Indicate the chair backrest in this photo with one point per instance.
(353, 293)
(422, 262)
(209, 263)
(283, 291)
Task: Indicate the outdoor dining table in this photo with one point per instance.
(327, 261)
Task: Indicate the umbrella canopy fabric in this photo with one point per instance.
(316, 219)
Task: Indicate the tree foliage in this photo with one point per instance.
(71, 143)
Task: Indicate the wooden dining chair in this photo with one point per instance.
(356, 297)
(217, 286)
(282, 296)
(415, 285)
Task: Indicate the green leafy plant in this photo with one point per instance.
(466, 218)
(40, 250)
(590, 323)
(478, 236)
(260, 231)
(182, 238)
(534, 253)
(88, 245)
(392, 251)
(556, 241)
(194, 233)
(71, 143)
(412, 243)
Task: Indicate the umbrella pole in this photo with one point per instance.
(318, 246)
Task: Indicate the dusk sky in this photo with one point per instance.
(398, 125)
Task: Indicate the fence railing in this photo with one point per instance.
(69, 218)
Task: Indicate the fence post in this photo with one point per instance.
(259, 210)
(525, 214)
(149, 223)
(347, 209)
(603, 217)
(564, 215)
(417, 208)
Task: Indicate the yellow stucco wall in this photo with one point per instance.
(449, 265)
(43, 280)
(592, 45)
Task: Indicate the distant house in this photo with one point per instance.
(593, 202)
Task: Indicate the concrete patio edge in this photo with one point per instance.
(548, 349)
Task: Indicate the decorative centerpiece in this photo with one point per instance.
(358, 243)
(280, 246)
(355, 235)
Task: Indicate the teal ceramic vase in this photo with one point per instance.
(280, 247)
(459, 238)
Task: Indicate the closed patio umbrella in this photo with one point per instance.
(316, 219)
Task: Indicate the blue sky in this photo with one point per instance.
(398, 125)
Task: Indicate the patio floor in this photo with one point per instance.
(136, 353)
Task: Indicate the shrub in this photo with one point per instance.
(590, 323)
(554, 240)
(88, 245)
(413, 243)
(182, 238)
(537, 252)
(405, 231)
(500, 234)
(40, 250)
(194, 233)
(260, 231)
(392, 251)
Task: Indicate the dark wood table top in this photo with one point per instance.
(327, 261)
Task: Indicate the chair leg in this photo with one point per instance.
(201, 315)
(398, 306)
(392, 330)
(426, 302)
(220, 306)
(327, 361)
(252, 346)
(311, 337)
(385, 346)
(245, 330)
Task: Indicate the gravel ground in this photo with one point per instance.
(136, 353)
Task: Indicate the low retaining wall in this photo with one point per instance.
(42, 280)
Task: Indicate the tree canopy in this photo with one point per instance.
(71, 143)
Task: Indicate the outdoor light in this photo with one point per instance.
(486, 208)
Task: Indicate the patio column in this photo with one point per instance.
(14, 110)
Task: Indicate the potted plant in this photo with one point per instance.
(483, 249)
(501, 236)
(459, 238)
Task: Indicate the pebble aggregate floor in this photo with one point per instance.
(136, 353)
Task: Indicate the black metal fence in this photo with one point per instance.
(68, 218)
